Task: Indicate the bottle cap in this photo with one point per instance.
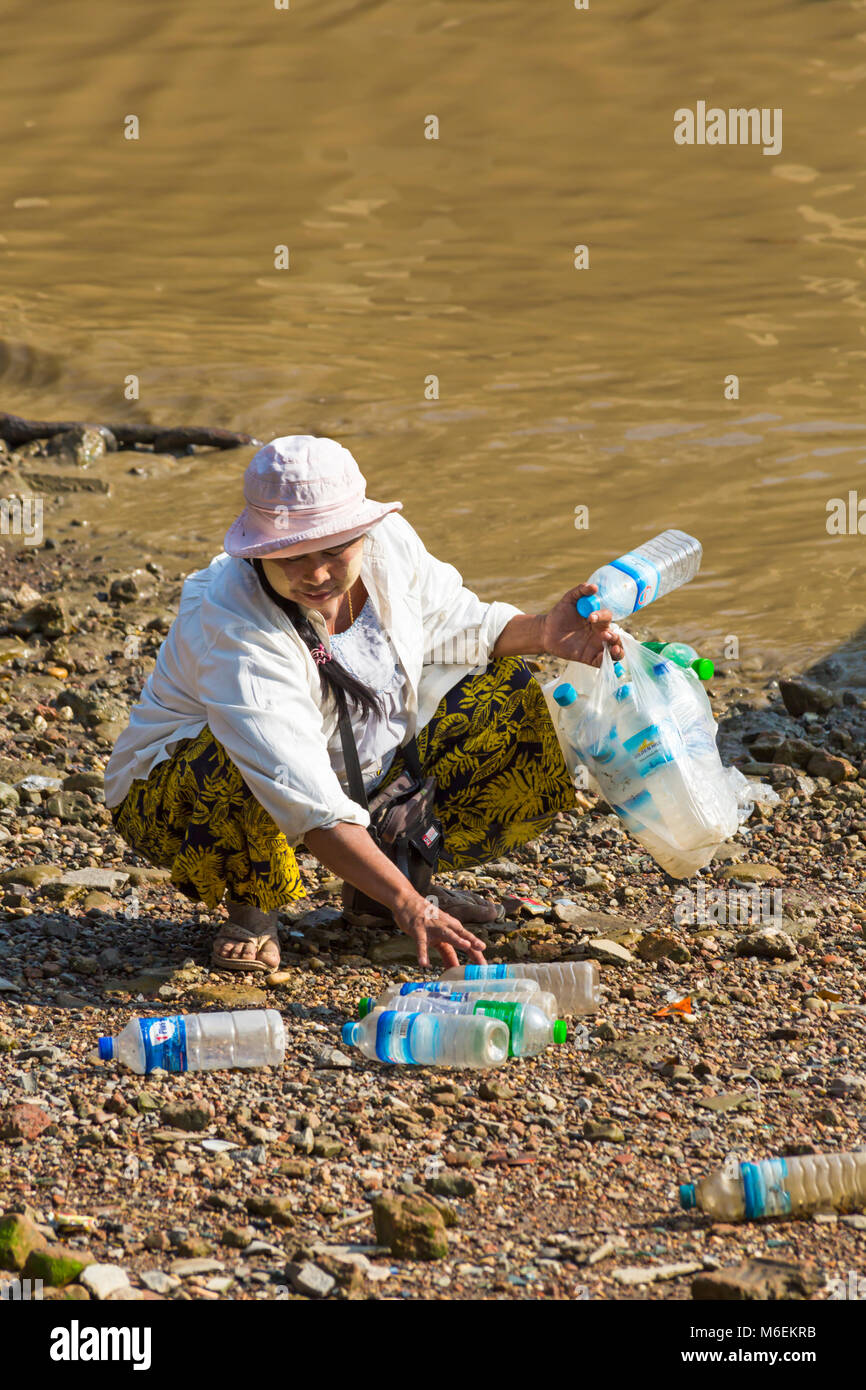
(364, 1006)
(588, 603)
(704, 668)
(662, 668)
(618, 668)
(622, 692)
(106, 1049)
(348, 1033)
(565, 694)
(560, 1030)
(688, 1195)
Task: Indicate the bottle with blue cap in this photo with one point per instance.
(779, 1187)
(434, 1039)
(602, 748)
(197, 1042)
(643, 575)
(690, 706)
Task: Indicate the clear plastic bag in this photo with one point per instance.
(644, 731)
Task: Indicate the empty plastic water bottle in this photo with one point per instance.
(530, 1030)
(780, 1187)
(658, 791)
(198, 1042)
(641, 576)
(443, 1040)
(684, 656)
(574, 983)
(407, 997)
(605, 752)
(694, 713)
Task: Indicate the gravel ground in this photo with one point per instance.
(548, 1178)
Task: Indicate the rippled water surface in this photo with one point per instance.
(412, 258)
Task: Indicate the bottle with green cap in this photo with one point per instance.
(430, 996)
(778, 1187)
(684, 656)
(530, 1029)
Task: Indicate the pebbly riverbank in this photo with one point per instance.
(332, 1177)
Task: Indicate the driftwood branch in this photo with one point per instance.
(16, 431)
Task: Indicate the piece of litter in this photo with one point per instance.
(69, 1221)
(634, 1274)
(353, 1218)
(218, 1146)
(35, 783)
(610, 1247)
(678, 1006)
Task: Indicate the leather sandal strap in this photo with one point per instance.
(234, 931)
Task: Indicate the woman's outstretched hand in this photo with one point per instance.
(574, 638)
(429, 926)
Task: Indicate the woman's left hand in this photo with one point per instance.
(574, 638)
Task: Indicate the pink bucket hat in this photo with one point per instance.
(299, 491)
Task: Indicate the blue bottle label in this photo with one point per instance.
(429, 987)
(486, 972)
(605, 751)
(164, 1042)
(700, 741)
(652, 747)
(637, 811)
(392, 1036)
(644, 574)
(765, 1191)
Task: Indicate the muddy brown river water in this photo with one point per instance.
(412, 259)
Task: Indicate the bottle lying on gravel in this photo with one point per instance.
(529, 1027)
(780, 1187)
(524, 991)
(198, 1042)
(574, 983)
(442, 1040)
(530, 1030)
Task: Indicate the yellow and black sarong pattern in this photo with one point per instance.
(490, 744)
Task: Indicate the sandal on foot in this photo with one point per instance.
(470, 899)
(246, 923)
